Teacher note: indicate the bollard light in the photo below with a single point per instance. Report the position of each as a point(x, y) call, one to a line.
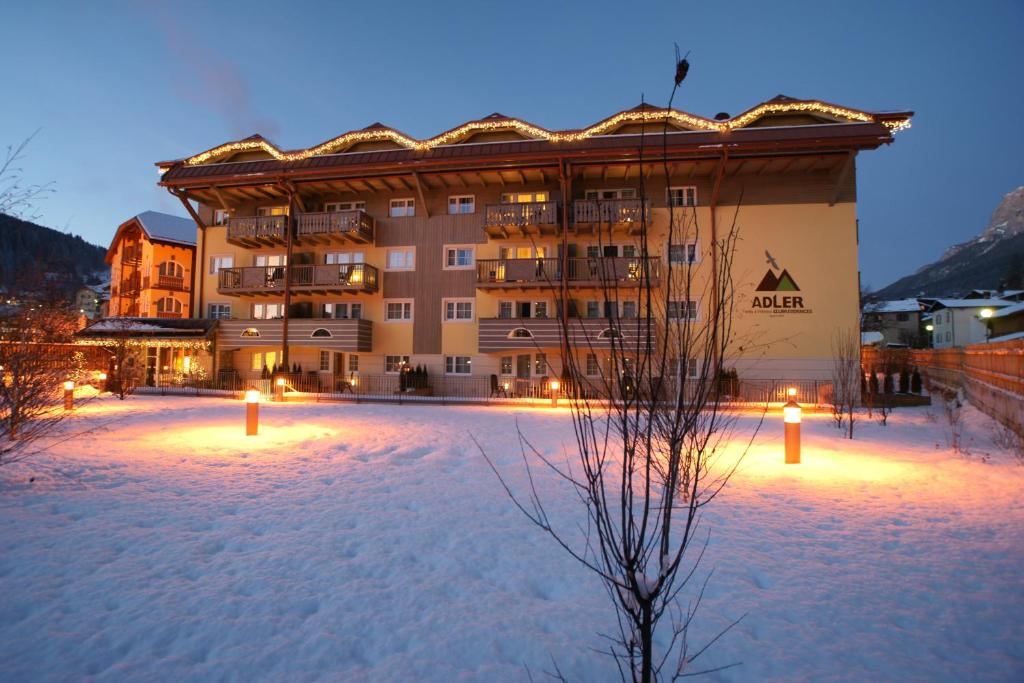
point(554, 393)
point(252, 412)
point(791, 418)
point(279, 389)
point(103, 382)
point(69, 395)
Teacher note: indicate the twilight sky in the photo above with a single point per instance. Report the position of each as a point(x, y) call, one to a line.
point(120, 86)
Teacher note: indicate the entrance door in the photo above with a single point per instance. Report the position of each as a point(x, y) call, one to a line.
point(523, 366)
point(339, 370)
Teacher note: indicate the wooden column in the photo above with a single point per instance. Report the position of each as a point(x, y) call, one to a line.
point(566, 189)
point(289, 231)
point(715, 294)
point(197, 286)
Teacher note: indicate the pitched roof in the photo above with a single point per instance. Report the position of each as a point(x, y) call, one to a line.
point(167, 228)
point(897, 306)
point(1009, 310)
point(149, 328)
point(969, 303)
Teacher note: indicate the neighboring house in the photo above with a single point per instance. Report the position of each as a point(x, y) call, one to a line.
point(91, 300)
point(374, 251)
point(898, 321)
point(959, 322)
point(1007, 323)
point(151, 266)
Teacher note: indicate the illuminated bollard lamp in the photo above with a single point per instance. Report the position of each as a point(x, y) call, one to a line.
point(554, 392)
point(252, 412)
point(69, 395)
point(791, 418)
point(279, 389)
point(103, 382)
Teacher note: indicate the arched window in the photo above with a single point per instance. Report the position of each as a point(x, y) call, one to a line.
point(320, 332)
point(171, 269)
point(520, 333)
point(250, 332)
point(609, 333)
point(168, 305)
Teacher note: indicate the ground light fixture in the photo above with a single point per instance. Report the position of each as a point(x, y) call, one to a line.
point(555, 384)
point(69, 395)
point(103, 382)
point(279, 389)
point(252, 412)
point(791, 420)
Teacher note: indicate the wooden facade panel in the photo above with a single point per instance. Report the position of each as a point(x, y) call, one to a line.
point(346, 335)
point(493, 334)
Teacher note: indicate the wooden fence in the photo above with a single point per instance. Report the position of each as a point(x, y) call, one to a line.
point(990, 376)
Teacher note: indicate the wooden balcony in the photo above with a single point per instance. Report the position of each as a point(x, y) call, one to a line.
point(627, 214)
point(495, 335)
point(523, 219)
point(130, 285)
point(352, 334)
point(170, 314)
point(258, 231)
point(335, 227)
point(583, 272)
point(174, 284)
point(307, 279)
point(131, 255)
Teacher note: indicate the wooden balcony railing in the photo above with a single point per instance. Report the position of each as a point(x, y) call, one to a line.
point(257, 231)
point(328, 226)
point(582, 272)
point(170, 314)
point(357, 277)
point(130, 285)
point(612, 211)
point(500, 220)
point(131, 254)
point(166, 282)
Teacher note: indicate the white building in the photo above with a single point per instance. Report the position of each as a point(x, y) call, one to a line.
point(959, 322)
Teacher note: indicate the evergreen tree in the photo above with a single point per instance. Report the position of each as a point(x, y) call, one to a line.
point(873, 382)
point(887, 383)
point(904, 380)
point(915, 382)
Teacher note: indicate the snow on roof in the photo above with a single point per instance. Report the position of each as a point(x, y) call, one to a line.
point(871, 338)
point(164, 226)
point(969, 303)
point(897, 306)
point(1007, 337)
point(124, 325)
point(1009, 310)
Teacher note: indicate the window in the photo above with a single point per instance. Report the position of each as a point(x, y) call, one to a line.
point(628, 309)
point(682, 196)
point(325, 361)
point(396, 310)
point(353, 362)
point(593, 309)
point(609, 333)
point(218, 311)
point(520, 333)
point(682, 310)
point(504, 309)
point(250, 332)
point(402, 258)
point(321, 332)
point(540, 309)
point(394, 364)
point(461, 203)
point(170, 269)
point(400, 208)
point(691, 367)
point(261, 360)
point(460, 310)
point(332, 207)
point(902, 317)
point(457, 365)
point(593, 369)
point(266, 260)
point(218, 263)
point(168, 305)
point(272, 211)
point(221, 216)
point(522, 252)
point(457, 257)
point(524, 197)
point(540, 364)
point(344, 257)
point(623, 193)
point(267, 311)
point(683, 253)
point(341, 311)
point(506, 365)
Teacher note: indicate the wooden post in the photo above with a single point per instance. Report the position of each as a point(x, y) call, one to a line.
point(715, 294)
point(195, 308)
point(565, 182)
point(252, 418)
point(791, 420)
point(288, 266)
point(69, 395)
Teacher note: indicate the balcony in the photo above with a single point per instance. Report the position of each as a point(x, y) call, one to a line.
point(130, 285)
point(523, 219)
point(612, 271)
point(168, 282)
point(258, 231)
point(352, 334)
point(306, 279)
point(131, 255)
point(335, 227)
point(626, 214)
point(170, 314)
point(496, 335)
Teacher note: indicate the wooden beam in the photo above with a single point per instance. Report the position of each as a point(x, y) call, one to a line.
point(480, 178)
point(844, 171)
point(220, 197)
point(419, 191)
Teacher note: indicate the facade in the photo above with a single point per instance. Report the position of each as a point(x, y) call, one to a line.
point(1007, 323)
point(151, 264)
point(375, 251)
point(91, 300)
point(899, 322)
point(959, 322)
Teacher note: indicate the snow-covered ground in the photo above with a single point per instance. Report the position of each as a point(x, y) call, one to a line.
point(371, 542)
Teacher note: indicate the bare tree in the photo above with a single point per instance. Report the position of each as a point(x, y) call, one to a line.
point(16, 197)
point(126, 350)
point(652, 434)
point(846, 378)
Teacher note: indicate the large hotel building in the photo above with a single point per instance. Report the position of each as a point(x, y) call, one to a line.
point(376, 250)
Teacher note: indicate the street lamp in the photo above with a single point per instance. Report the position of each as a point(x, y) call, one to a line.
point(69, 395)
point(791, 419)
point(554, 392)
point(279, 389)
point(929, 327)
point(986, 313)
point(103, 382)
point(252, 412)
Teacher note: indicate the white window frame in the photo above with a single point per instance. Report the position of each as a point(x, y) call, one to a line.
point(403, 303)
point(611, 193)
point(597, 366)
point(176, 305)
point(691, 368)
point(454, 304)
point(407, 206)
point(688, 319)
point(459, 201)
point(409, 252)
point(281, 258)
point(325, 354)
point(451, 365)
point(349, 308)
point(686, 246)
point(221, 216)
point(508, 361)
point(456, 248)
point(272, 210)
point(353, 357)
point(403, 362)
point(689, 196)
point(534, 197)
point(265, 308)
point(337, 207)
point(209, 313)
point(218, 262)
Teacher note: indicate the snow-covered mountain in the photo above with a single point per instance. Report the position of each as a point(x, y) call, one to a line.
point(993, 259)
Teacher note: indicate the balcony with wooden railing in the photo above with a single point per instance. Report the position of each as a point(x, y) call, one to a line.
point(170, 314)
point(335, 227)
point(168, 282)
point(525, 334)
point(307, 279)
point(258, 231)
point(611, 271)
point(521, 219)
point(628, 214)
point(131, 254)
point(130, 285)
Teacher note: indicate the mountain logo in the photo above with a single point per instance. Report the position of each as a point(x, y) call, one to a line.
point(783, 282)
